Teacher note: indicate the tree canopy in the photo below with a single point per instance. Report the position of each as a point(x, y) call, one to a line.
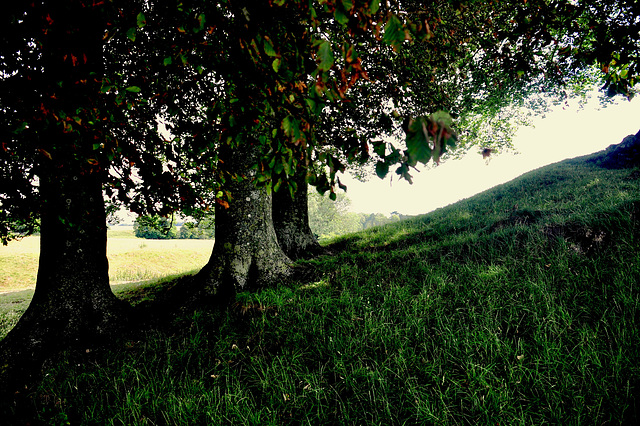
point(328, 78)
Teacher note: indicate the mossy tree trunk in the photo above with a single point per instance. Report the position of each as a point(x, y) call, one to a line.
point(246, 254)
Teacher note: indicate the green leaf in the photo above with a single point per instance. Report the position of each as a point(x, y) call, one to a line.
point(382, 169)
point(374, 6)
point(418, 148)
point(315, 106)
point(201, 22)
point(287, 126)
point(141, 20)
point(403, 171)
point(393, 32)
point(287, 167)
point(342, 185)
point(341, 18)
point(131, 33)
point(276, 64)
point(268, 48)
point(168, 61)
point(347, 4)
point(133, 89)
point(293, 188)
point(417, 141)
point(106, 88)
point(325, 54)
point(379, 147)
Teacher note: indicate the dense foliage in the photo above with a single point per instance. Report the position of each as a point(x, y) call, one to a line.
point(329, 78)
point(156, 227)
point(202, 229)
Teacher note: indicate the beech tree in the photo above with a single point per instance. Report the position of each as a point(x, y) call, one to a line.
point(256, 64)
point(291, 217)
point(66, 142)
point(308, 87)
point(54, 130)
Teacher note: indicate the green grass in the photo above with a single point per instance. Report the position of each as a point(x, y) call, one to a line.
point(517, 306)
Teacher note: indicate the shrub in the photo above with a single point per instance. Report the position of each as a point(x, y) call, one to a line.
point(154, 227)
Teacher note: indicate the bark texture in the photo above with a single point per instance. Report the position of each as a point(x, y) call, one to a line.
point(291, 220)
point(246, 254)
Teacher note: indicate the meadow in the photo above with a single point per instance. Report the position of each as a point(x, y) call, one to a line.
point(520, 305)
point(131, 259)
point(132, 262)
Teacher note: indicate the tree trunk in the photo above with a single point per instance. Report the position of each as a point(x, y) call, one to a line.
point(246, 254)
point(291, 220)
point(72, 302)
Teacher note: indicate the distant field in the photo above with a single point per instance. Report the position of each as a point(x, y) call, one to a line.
point(130, 259)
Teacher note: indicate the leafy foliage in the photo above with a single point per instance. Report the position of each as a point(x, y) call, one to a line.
point(329, 219)
point(154, 228)
point(203, 229)
point(161, 228)
point(327, 81)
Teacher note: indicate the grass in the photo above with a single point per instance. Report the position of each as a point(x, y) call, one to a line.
point(517, 306)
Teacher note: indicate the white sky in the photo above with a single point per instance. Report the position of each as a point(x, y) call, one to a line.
point(564, 133)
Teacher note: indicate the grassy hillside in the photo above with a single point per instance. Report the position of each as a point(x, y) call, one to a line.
point(517, 306)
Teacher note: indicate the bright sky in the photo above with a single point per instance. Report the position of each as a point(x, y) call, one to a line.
point(564, 133)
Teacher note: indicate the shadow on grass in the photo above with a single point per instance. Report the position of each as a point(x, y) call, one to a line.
point(15, 301)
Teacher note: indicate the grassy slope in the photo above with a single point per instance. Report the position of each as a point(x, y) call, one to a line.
point(517, 306)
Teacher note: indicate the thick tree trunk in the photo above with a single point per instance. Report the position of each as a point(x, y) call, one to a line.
point(291, 220)
point(72, 302)
point(246, 254)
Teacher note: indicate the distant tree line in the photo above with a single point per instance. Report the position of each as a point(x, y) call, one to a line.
point(329, 219)
point(156, 227)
